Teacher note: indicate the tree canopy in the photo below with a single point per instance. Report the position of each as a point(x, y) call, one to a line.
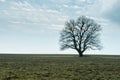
point(81, 34)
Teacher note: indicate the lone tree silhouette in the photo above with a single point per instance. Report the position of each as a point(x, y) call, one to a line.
point(81, 34)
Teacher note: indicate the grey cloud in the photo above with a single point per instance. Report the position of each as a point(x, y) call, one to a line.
point(114, 13)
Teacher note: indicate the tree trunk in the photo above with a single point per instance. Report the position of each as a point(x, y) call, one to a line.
point(80, 53)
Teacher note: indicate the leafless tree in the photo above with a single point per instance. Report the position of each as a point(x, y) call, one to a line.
point(81, 35)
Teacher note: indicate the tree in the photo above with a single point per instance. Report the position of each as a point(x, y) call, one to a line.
point(80, 35)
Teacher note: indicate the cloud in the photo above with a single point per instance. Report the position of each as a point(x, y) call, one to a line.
point(106, 11)
point(2, 0)
point(26, 16)
point(107, 4)
point(56, 27)
point(72, 6)
point(113, 12)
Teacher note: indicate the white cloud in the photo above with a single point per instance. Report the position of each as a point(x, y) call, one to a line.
point(56, 27)
point(72, 6)
point(25, 14)
point(107, 4)
point(75, 7)
point(65, 5)
point(52, 11)
point(2, 0)
point(82, 0)
point(100, 20)
point(42, 16)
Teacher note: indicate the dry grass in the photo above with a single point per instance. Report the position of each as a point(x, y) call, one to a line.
point(62, 67)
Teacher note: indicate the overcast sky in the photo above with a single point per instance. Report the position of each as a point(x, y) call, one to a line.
point(33, 26)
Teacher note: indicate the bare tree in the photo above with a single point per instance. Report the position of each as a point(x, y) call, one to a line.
point(81, 35)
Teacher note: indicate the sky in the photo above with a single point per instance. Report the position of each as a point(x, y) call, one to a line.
point(34, 26)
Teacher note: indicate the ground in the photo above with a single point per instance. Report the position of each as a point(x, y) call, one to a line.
point(59, 67)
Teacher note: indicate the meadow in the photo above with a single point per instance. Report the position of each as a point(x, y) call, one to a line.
point(59, 67)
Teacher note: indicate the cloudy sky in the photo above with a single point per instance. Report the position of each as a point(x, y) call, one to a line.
point(33, 26)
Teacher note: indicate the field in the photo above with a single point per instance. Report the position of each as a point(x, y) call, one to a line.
point(59, 67)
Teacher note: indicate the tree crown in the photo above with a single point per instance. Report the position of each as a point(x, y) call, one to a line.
point(81, 35)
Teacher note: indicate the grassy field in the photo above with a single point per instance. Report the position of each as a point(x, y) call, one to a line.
point(59, 67)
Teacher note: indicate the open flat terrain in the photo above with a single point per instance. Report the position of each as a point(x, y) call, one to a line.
point(59, 67)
